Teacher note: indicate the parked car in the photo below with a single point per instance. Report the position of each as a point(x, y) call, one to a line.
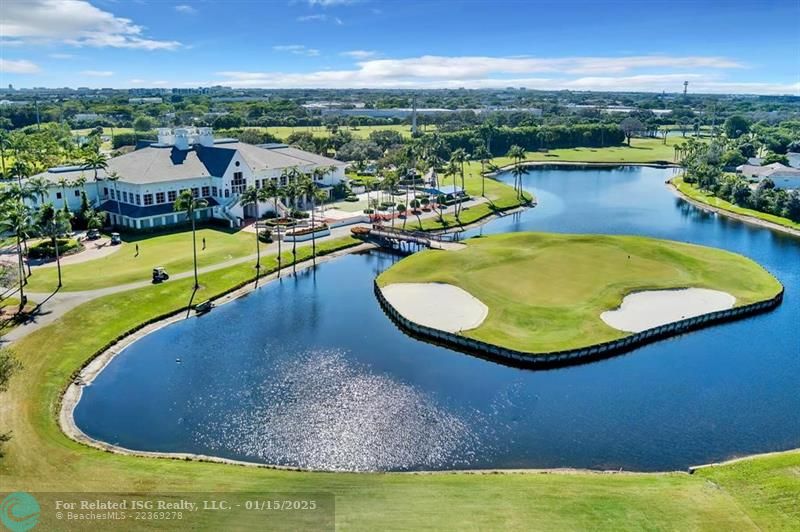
point(115, 239)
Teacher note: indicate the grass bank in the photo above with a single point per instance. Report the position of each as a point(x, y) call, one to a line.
point(701, 196)
point(761, 493)
point(545, 292)
point(641, 151)
point(500, 197)
point(173, 251)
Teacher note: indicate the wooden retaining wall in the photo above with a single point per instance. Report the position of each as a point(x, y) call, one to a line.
point(569, 357)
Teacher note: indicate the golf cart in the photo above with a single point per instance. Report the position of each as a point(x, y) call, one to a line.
point(92, 234)
point(159, 275)
point(115, 239)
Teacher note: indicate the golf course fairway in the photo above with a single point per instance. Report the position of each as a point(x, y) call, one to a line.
point(547, 292)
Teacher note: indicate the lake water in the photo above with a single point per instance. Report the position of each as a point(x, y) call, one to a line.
point(309, 372)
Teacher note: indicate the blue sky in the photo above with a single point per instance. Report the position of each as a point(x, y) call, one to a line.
point(717, 45)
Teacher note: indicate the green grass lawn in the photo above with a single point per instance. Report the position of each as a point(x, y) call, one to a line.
point(701, 196)
point(173, 251)
point(641, 150)
point(761, 493)
point(361, 132)
point(545, 292)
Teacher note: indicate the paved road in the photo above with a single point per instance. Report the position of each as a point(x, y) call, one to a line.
point(54, 305)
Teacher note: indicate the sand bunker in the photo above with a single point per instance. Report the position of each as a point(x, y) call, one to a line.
point(437, 305)
point(644, 310)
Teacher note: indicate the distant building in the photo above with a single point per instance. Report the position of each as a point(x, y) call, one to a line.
point(150, 99)
point(783, 176)
point(86, 117)
point(405, 112)
point(218, 170)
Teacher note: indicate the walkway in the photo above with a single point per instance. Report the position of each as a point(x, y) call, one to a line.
point(54, 305)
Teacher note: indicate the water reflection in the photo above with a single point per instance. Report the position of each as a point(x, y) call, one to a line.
point(308, 371)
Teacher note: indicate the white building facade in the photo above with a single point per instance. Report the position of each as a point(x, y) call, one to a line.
point(138, 189)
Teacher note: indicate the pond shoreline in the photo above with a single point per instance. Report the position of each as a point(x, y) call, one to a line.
point(734, 215)
point(85, 375)
point(577, 164)
point(570, 357)
point(77, 435)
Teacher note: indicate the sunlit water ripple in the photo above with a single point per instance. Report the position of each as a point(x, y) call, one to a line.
point(323, 411)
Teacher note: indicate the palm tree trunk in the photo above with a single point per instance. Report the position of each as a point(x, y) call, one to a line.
point(21, 274)
point(463, 186)
point(294, 253)
point(278, 227)
point(119, 205)
point(97, 187)
point(313, 233)
point(405, 219)
point(27, 262)
point(58, 259)
point(258, 252)
point(194, 250)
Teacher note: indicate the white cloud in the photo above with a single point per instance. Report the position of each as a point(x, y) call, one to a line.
point(74, 22)
point(478, 66)
point(297, 49)
point(359, 54)
point(20, 66)
point(185, 9)
point(630, 73)
point(320, 17)
point(61, 56)
point(97, 73)
point(327, 3)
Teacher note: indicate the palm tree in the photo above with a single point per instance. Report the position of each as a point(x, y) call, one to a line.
point(63, 182)
point(17, 194)
point(39, 187)
point(53, 223)
point(459, 156)
point(251, 197)
point(308, 186)
point(114, 177)
point(4, 143)
point(517, 153)
point(95, 219)
point(389, 183)
point(272, 191)
point(452, 169)
point(294, 175)
point(292, 192)
point(20, 170)
point(95, 161)
point(188, 204)
point(16, 219)
point(369, 183)
point(480, 153)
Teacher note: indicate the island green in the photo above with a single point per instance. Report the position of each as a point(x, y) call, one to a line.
point(546, 292)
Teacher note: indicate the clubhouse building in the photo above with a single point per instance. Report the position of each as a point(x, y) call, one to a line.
point(150, 178)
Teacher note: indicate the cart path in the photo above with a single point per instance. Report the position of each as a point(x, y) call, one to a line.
point(54, 305)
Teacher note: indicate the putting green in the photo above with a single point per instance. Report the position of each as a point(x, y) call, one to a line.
point(546, 292)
